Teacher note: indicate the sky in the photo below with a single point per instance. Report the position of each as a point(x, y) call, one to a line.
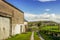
point(38, 10)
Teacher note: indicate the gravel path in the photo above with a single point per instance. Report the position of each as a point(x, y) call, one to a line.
point(32, 36)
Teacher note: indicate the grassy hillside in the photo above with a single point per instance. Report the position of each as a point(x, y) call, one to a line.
point(51, 28)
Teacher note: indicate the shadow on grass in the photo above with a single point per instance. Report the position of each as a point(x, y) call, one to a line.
point(49, 36)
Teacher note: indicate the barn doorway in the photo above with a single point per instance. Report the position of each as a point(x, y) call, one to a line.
point(4, 27)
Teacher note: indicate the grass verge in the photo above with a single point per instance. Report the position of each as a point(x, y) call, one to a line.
point(24, 36)
point(36, 37)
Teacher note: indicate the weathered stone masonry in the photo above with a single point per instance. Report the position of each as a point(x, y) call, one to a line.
point(15, 15)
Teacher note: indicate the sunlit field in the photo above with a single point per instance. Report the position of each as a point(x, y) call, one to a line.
point(50, 28)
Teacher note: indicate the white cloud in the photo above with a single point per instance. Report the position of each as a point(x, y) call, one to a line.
point(46, 0)
point(29, 16)
point(42, 17)
point(47, 9)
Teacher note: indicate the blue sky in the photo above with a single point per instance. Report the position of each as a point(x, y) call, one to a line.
point(35, 8)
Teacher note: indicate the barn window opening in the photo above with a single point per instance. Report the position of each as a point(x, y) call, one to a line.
point(21, 28)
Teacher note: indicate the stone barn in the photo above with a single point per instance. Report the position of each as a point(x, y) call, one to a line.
point(11, 20)
point(25, 26)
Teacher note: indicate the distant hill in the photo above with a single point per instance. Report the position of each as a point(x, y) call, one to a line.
point(42, 23)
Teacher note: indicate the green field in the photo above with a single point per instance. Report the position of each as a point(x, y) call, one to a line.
point(50, 28)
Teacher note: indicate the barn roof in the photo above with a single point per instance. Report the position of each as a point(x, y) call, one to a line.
point(25, 20)
point(13, 6)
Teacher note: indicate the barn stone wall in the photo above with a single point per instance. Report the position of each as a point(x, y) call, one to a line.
point(16, 16)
